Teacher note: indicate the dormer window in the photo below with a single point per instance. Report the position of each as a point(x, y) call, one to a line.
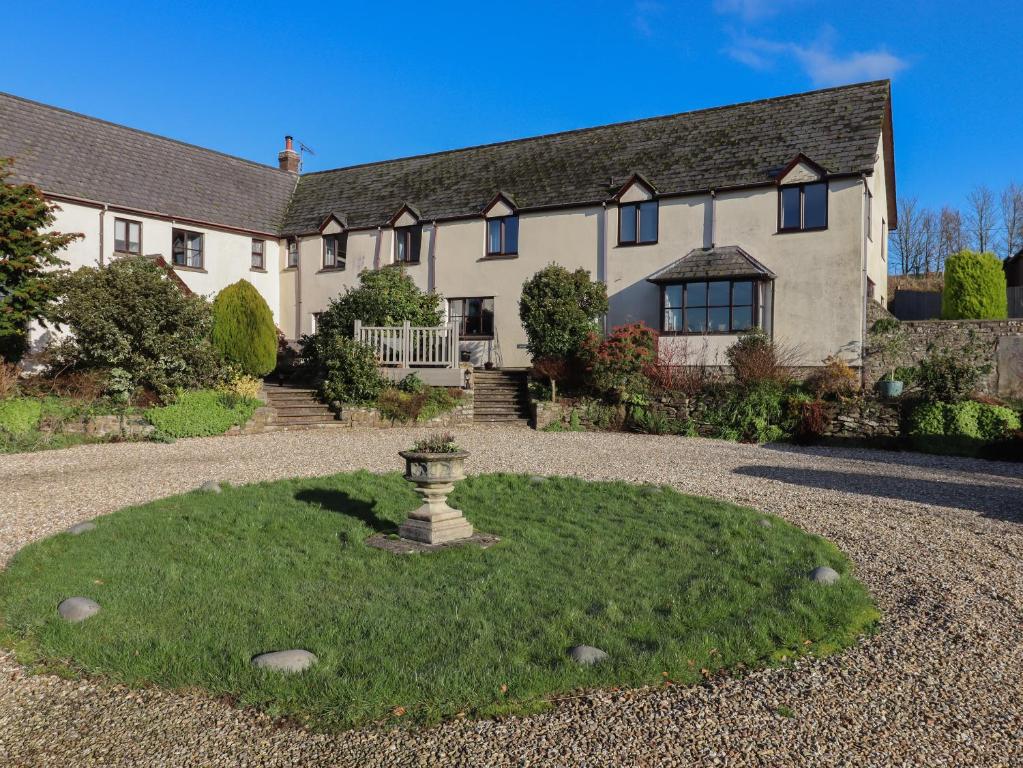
point(503, 236)
point(407, 244)
point(334, 250)
point(803, 207)
point(637, 223)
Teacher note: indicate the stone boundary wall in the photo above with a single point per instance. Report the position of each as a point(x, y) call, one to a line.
point(998, 343)
point(105, 426)
point(362, 416)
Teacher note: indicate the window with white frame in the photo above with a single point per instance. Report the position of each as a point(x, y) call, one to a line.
point(258, 254)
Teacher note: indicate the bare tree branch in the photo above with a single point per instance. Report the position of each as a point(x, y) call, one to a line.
point(981, 218)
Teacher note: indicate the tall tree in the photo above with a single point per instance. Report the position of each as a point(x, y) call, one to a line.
point(1012, 219)
point(907, 243)
point(28, 261)
point(950, 235)
point(981, 218)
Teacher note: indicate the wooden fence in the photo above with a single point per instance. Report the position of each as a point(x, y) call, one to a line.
point(1016, 301)
point(409, 346)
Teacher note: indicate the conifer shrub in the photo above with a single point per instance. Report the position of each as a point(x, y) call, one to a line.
point(243, 329)
point(974, 287)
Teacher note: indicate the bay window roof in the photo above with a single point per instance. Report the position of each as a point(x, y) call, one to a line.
point(725, 261)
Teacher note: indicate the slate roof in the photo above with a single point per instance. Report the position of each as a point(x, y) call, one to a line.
point(712, 263)
point(65, 153)
point(737, 145)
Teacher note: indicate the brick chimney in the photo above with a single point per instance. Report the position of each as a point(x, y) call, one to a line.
point(289, 160)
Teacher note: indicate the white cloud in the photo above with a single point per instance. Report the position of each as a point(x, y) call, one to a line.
point(818, 60)
point(750, 10)
point(644, 18)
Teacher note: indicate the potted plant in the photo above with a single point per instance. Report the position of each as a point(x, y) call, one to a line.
point(434, 465)
point(888, 341)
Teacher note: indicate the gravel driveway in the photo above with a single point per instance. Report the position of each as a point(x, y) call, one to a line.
point(938, 541)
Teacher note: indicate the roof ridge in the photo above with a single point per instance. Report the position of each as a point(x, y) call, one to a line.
point(179, 142)
point(573, 131)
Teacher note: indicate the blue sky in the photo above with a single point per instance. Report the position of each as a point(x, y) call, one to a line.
point(365, 81)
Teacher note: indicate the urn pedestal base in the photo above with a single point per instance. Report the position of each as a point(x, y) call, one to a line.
point(453, 527)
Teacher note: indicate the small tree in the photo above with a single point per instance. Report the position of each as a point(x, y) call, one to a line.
point(28, 256)
point(559, 310)
point(974, 287)
point(131, 317)
point(385, 296)
point(243, 329)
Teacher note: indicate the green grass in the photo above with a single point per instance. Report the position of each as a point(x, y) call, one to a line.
point(191, 587)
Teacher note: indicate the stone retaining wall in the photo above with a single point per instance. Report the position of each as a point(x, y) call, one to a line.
point(853, 419)
point(362, 416)
point(996, 343)
point(104, 426)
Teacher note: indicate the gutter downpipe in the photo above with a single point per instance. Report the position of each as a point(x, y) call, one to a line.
point(713, 217)
point(602, 262)
point(863, 281)
point(102, 216)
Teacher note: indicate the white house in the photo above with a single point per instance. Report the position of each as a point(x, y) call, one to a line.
point(701, 224)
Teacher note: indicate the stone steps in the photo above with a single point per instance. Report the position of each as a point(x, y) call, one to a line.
point(501, 397)
point(298, 407)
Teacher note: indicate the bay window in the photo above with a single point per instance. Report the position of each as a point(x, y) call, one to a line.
point(713, 306)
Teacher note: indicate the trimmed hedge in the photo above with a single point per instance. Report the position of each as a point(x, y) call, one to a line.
point(243, 329)
point(201, 413)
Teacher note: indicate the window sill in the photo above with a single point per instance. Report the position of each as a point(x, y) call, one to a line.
point(188, 269)
point(498, 256)
point(127, 253)
point(805, 229)
point(257, 269)
point(636, 245)
point(292, 268)
point(705, 333)
point(330, 269)
point(409, 263)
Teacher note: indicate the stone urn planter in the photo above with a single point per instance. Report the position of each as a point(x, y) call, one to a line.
point(435, 475)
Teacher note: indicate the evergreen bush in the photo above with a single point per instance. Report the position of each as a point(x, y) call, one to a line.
point(200, 414)
point(243, 329)
point(129, 315)
point(974, 287)
point(351, 374)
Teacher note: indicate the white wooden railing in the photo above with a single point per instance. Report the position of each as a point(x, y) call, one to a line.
point(409, 346)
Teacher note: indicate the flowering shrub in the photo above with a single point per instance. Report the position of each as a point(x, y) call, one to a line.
point(617, 363)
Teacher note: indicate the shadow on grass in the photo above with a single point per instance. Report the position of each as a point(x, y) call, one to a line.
point(343, 504)
point(1001, 502)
